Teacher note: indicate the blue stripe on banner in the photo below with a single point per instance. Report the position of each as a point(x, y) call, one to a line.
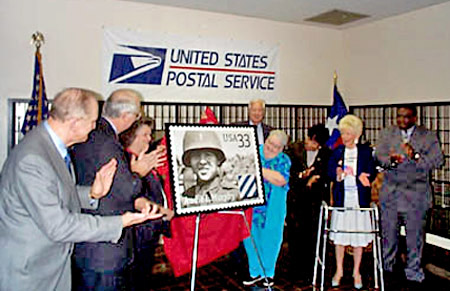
point(247, 186)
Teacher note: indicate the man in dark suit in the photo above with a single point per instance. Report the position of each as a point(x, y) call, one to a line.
point(104, 265)
point(40, 206)
point(256, 113)
point(308, 187)
point(409, 153)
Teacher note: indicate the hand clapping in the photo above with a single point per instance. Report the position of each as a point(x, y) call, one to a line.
point(130, 218)
point(408, 150)
point(144, 163)
point(364, 179)
point(103, 180)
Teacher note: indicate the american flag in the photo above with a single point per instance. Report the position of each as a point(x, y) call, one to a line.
point(38, 106)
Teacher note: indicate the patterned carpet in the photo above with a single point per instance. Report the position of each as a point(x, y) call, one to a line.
point(226, 274)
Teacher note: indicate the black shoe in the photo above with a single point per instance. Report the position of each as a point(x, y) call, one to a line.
point(252, 281)
point(268, 282)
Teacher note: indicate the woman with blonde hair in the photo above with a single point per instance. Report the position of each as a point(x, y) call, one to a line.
point(351, 168)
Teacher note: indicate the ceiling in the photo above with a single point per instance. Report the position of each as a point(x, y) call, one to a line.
point(297, 11)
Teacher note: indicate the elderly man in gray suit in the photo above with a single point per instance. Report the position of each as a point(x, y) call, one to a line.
point(409, 152)
point(40, 206)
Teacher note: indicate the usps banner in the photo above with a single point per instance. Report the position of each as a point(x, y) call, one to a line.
point(179, 68)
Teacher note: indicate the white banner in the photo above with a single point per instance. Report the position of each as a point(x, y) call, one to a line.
point(177, 68)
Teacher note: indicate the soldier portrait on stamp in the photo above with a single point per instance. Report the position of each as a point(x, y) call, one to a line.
point(214, 167)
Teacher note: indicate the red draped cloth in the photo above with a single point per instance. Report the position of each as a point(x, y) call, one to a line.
point(219, 233)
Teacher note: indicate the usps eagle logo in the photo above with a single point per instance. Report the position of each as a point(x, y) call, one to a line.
point(141, 65)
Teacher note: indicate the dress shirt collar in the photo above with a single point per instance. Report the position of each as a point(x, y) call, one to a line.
point(406, 134)
point(311, 157)
point(259, 131)
point(111, 124)
point(57, 141)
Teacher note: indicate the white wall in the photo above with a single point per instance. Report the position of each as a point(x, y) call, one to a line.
point(401, 59)
point(73, 32)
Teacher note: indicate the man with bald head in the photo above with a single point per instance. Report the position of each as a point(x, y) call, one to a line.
point(103, 266)
point(256, 113)
point(40, 206)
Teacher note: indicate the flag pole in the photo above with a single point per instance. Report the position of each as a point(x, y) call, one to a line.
point(335, 78)
point(38, 40)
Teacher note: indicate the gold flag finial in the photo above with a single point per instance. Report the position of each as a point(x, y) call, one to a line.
point(335, 78)
point(37, 39)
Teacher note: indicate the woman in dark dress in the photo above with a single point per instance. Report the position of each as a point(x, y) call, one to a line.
point(136, 141)
point(309, 185)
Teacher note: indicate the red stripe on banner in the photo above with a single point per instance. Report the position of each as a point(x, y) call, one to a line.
point(223, 70)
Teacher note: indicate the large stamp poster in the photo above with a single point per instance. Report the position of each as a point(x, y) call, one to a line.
point(214, 167)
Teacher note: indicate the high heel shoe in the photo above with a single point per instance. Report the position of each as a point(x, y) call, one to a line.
point(357, 282)
point(335, 281)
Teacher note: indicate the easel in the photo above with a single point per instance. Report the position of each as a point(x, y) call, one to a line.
point(195, 248)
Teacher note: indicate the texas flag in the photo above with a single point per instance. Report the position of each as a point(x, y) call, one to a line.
point(338, 110)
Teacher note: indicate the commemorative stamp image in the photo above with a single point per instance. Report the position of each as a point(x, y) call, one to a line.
point(214, 167)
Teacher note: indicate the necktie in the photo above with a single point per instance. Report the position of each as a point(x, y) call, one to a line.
point(260, 133)
point(405, 136)
point(67, 161)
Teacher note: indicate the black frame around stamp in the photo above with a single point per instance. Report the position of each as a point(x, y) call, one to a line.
point(240, 172)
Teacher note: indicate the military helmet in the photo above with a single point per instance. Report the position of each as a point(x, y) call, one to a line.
point(201, 140)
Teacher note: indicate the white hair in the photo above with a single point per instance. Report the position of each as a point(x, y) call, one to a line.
point(279, 135)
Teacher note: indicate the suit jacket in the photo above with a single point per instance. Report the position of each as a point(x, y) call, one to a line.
point(147, 234)
point(409, 183)
point(365, 164)
point(103, 145)
point(320, 189)
point(40, 217)
point(266, 128)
